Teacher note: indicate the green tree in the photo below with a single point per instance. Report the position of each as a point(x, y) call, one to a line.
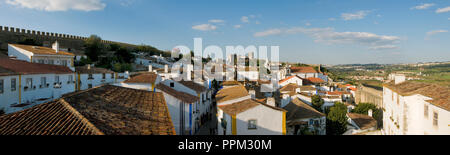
point(94, 47)
point(317, 102)
point(122, 67)
point(337, 119)
point(29, 41)
point(124, 55)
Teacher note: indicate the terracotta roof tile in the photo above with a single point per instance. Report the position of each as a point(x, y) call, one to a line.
point(315, 80)
point(440, 94)
point(42, 50)
point(299, 110)
point(288, 78)
point(242, 106)
point(149, 78)
point(92, 70)
point(303, 70)
point(14, 67)
point(194, 86)
point(290, 87)
point(231, 93)
point(109, 110)
point(178, 94)
point(363, 121)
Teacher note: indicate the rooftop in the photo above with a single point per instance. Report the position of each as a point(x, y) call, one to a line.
point(109, 110)
point(148, 78)
point(440, 94)
point(363, 121)
point(42, 50)
point(194, 86)
point(242, 106)
point(314, 80)
point(231, 93)
point(288, 78)
point(299, 110)
point(303, 70)
point(91, 70)
point(15, 67)
point(187, 98)
point(290, 87)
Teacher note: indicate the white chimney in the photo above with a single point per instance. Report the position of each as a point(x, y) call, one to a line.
point(271, 101)
point(370, 113)
point(399, 79)
point(252, 94)
point(55, 46)
point(150, 68)
point(166, 68)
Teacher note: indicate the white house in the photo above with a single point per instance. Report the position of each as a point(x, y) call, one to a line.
point(24, 84)
point(301, 116)
point(144, 81)
point(304, 72)
point(238, 114)
point(43, 55)
point(247, 73)
point(292, 79)
point(90, 77)
point(204, 105)
point(288, 93)
point(414, 108)
point(182, 109)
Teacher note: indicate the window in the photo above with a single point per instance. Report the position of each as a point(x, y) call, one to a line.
point(435, 119)
point(1, 86)
point(425, 111)
point(13, 84)
point(398, 99)
point(56, 79)
point(103, 76)
point(172, 84)
point(70, 78)
point(64, 62)
point(90, 76)
point(29, 83)
point(252, 124)
point(43, 82)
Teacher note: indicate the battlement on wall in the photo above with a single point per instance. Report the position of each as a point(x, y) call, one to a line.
point(14, 35)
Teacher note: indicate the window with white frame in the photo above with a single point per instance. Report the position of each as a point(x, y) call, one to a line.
point(435, 119)
point(13, 84)
point(252, 124)
point(29, 83)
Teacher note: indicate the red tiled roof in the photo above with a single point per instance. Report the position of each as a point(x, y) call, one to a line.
point(363, 121)
point(288, 78)
point(353, 89)
point(149, 78)
point(231, 93)
point(315, 80)
point(303, 70)
point(15, 67)
point(194, 86)
point(92, 70)
point(298, 110)
point(177, 94)
point(242, 106)
point(109, 110)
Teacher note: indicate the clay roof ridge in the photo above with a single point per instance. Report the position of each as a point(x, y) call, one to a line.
point(81, 117)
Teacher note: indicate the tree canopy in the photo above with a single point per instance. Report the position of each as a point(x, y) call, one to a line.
point(94, 47)
point(317, 102)
point(337, 119)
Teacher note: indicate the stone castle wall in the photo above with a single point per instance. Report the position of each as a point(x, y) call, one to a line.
point(11, 35)
point(369, 95)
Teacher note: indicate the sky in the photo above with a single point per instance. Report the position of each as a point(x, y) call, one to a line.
point(307, 31)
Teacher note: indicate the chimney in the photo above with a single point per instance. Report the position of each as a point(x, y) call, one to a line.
point(89, 66)
point(370, 112)
point(55, 46)
point(271, 101)
point(252, 94)
point(150, 68)
point(166, 68)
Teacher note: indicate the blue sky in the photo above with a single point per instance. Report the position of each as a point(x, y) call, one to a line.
point(307, 31)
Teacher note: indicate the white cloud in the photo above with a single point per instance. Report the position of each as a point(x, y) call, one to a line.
point(355, 16)
point(59, 5)
point(237, 26)
point(216, 21)
point(245, 19)
point(423, 6)
point(268, 33)
point(331, 19)
point(204, 27)
point(434, 32)
point(308, 24)
point(126, 3)
point(329, 36)
point(443, 10)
